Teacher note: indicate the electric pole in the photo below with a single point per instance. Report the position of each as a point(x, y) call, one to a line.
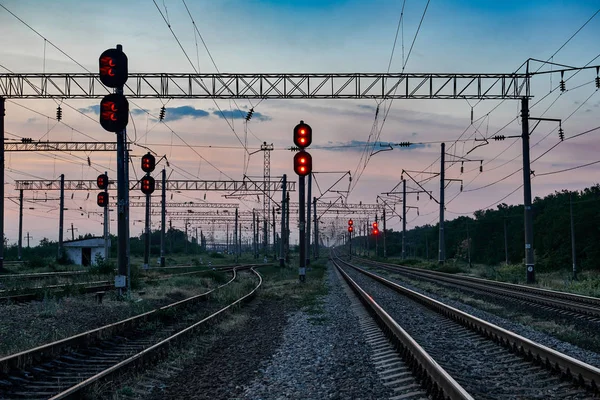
point(573, 252)
point(284, 206)
point(61, 218)
point(163, 216)
point(404, 212)
point(529, 261)
point(20, 223)
point(442, 244)
point(308, 202)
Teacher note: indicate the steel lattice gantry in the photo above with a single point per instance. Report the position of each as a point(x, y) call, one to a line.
point(213, 214)
point(224, 186)
point(182, 205)
point(60, 146)
point(271, 86)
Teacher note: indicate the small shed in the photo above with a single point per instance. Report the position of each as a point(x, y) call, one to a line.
point(83, 251)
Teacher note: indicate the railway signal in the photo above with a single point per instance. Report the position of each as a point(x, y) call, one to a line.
point(114, 112)
point(302, 163)
point(113, 68)
point(102, 181)
point(375, 228)
point(148, 163)
point(102, 199)
point(147, 185)
point(302, 135)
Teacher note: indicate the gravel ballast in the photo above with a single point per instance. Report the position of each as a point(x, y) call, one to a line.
point(323, 356)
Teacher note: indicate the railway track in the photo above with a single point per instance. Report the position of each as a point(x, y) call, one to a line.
point(573, 305)
point(64, 369)
point(32, 293)
point(488, 362)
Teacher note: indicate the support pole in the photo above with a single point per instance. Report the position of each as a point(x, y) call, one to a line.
point(147, 234)
point(122, 206)
point(404, 219)
point(384, 226)
point(349, 245)
point(227, 238)
point(442, 244)
point(236, 234)
point(573, 252)
point(61, 218)
point(505, 242)
point(469, 245)
point(316, 242)
point(529, 261)
point(274, 235)
point(287, 229)
point(308, 202)
point(163, 216)
point(2, 112)
point(20, 224)
point(72, 232)
point(283, 213)
point(106, 228)
point(302, 233)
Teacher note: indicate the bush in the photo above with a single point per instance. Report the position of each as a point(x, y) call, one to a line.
point(102, 266)
point(216, 255)
point(37, 262)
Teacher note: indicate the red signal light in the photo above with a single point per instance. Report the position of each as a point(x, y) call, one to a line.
point(148, 163)
point(102, 199)
point(102, 181)
point(375, 225)
point(114, 112)
point(302, 163)
point(350, 229)
point(148, 184)
point(113, 68)
point(302, 135)
point(375, 231)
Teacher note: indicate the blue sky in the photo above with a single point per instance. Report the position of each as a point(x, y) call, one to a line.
point(308, 36)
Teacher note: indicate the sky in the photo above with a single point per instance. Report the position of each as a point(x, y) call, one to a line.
point(307, 36)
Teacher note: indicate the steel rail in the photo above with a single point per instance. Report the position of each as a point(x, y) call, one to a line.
point(26, 357)
point(152, 351)
point(437, 382)
point(568, 367)
point(585, 305)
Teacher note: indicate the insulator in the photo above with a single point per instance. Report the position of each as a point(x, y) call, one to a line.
point(462, 167)
point(249, 115)
point(161, 116)
point(417, 212)
point(461, 186)
point(499, 137)
point(598, 82)
point(481, 166)
point(561, 134)
point(417, 196)
point(563, 86)
point(58, 113)
point(430, 196)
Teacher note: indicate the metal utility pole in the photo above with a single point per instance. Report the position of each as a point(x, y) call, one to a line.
point(384, 245)
point(376, 239)
point(254, 233)
point(302, 233)
point(349, 245)
point(163, 216)
point(316, 242)
point(20, 223)
point(236, 233)
point(72, 231)
point(287, 227)
point(529, 261)
point(469, 245)
point(186, 234)
point(147, 231)
point(106, 227)
point(266, 149)
point(274, 234)
point(28, 237)
point(227, 236)
point(61, 218)
point(122, 207)
point(442, 244)
point(572, 237)
point(404, 214)
point(308, 196)
point(2, 112)
point(505, 242)
point(284, 206)
point(240, 239)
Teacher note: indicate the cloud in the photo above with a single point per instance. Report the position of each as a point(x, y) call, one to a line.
point(32, 120)
point(239, 114)
point(359, 145)
point(176, 113)
point(367, 107)
point(95, 109)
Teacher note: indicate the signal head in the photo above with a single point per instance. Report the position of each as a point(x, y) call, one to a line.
point(113, 68)
point(148, 184)
point(102, 199)
point(114, 112)
point(102, 181)
point(375, 231)
point(148, 163)
point(302, 163)
point(302, 135)
point(375, 225)
point(350, 229)
point(350, 222)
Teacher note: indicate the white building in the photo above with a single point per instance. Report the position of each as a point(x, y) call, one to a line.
point(83, 251)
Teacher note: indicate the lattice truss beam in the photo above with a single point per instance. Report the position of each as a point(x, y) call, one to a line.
point(271, 86)
point(207, 214)
point(182, 205)
point(223, 186)
point(60, 146)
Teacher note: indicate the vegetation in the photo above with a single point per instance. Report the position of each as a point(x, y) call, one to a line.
point(485, 232)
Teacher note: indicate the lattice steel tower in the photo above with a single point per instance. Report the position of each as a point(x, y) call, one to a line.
point(266, 149)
